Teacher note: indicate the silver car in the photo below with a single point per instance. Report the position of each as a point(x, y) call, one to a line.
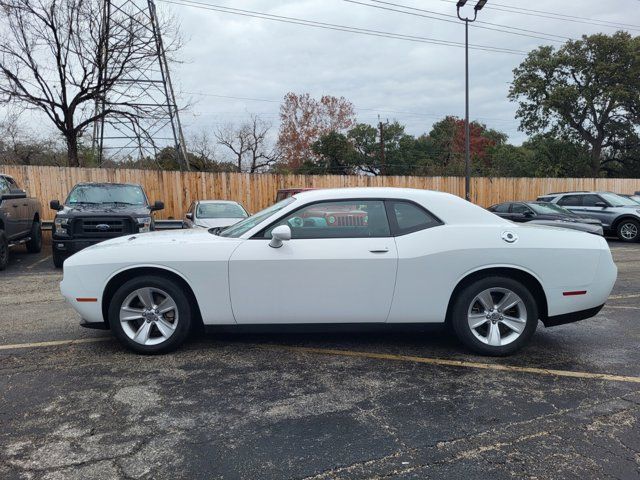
point(619, 215)
point(213, 214)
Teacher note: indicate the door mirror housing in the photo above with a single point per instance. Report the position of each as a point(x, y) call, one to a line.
point(55, 205)
point(189, 216)
point(13, 194)
point(279, 235)
point(157, 205)
point(601, 204)
point(528, 214)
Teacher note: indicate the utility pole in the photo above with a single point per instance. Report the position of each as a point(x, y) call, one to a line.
point(467, 147)
point(383, 161)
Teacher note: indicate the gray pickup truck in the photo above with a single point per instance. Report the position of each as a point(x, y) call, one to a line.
point(19, 220)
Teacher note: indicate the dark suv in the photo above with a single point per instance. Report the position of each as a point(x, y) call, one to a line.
point(619, 215)
point(94, 212)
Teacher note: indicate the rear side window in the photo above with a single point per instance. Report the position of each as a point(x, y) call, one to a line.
point(501, 208)
point(407, 217)
point(545, 199)
point(571, 200)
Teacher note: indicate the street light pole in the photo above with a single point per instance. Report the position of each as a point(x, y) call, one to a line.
point(467, 141)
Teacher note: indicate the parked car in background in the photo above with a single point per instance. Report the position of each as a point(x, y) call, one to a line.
point(421, 257)
point(213, 214)
point(289, 192)
point(635, 197)
point(94, 212)
point(619, 215)
point(19, 220)
point(545, 213)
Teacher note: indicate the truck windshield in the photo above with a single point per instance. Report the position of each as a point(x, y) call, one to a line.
point(116, 194)
point(248, 223)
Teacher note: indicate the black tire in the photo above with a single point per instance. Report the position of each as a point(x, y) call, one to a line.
point(58, 259)
point(35, 244)
point(182, 322)
point(464, 304)
point(626, 229)
point(4, 250)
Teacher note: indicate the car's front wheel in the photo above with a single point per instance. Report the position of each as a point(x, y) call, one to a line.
point(494, 315)
point(628, 230)
point(150, 314)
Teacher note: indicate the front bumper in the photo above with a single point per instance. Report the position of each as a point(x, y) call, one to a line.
point(69, 246)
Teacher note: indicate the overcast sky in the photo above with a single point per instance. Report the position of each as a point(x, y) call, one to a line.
point(415, 83)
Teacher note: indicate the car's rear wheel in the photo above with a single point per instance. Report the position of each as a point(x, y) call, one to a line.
point(494, 316)
point(4, 250)
point(150, 315)
point(628, 230)
point(34, 245)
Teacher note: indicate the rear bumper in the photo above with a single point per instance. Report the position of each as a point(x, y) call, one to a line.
point(572, 317)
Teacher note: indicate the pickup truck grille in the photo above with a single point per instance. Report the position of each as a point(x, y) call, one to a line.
point(350, 221)
point(102, 227)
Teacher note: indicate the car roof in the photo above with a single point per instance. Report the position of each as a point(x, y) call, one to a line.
point(103, 184)
point(219, 201)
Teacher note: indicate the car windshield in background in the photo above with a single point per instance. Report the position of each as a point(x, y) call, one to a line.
point(618, 200)
point(549, 209)
point(220, 210)
point(98, 194)
point(247, 224)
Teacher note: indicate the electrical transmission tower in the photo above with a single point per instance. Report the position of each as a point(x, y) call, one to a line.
point(139, 113)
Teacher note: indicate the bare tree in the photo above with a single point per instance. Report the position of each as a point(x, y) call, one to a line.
point(58, 57)
point(249, 144)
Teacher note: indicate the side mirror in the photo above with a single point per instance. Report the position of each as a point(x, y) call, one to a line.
point(157, 206)
point(55, 205)
point(189, 216)
point(528, 214)
point(601, 204)
point(280, 234)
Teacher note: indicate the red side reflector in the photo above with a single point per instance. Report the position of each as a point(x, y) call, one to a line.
point(577, 292)
point(86, 299)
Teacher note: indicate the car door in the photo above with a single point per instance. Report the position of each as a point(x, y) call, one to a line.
point(503, 210)
point(572, 202)
point(521, 213)
point(339, 267)
point(11, 209)
point(595, 206)
point(24, 217)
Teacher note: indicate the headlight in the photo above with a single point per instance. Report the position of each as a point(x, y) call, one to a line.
point(60, 227)
point(144, 224)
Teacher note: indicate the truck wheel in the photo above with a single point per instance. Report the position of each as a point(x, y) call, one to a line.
point(58, 259)
point(35, 244)
point(628, 230)
point(4, 250)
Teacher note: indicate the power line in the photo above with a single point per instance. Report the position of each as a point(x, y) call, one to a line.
point(336, 27)
point(518, 32)
point(556, 16)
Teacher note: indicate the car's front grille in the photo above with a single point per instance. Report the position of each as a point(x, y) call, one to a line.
point(102, 227)
point(350, 221)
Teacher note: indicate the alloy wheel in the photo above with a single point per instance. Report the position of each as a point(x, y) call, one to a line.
point(497, 316)
point(149, 316)
point(629, 231)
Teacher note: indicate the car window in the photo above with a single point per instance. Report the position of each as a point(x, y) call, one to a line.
point(545, 199)
point(501, 208)
point(220, 210)
point(243, 226)
point(4, 186)
point(520, 208)
point(410, 217)
point(571, 200)
point(591, 200)
point(343, 219)
point(12, 183)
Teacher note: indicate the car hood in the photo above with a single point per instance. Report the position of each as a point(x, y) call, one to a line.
point(216, 222)
point(106, 210)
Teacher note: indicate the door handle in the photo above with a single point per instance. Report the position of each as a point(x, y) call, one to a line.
point(15, 205)
point(379, 250)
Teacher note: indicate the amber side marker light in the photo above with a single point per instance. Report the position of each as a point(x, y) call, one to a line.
point(86, 299)
point(577, 292)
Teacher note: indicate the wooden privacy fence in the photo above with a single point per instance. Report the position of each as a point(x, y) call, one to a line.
point(256, 191)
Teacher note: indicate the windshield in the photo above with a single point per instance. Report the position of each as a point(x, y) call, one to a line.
point(220, 210)
point(97, 194)
point(549, 209)
point(247, 224)
point(618, 200)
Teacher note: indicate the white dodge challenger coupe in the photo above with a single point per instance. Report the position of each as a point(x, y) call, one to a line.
point(353, 255)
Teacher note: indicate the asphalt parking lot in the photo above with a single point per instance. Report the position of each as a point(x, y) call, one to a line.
point(402, 403)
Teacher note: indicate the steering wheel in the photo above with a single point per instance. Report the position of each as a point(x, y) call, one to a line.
point(296, 222)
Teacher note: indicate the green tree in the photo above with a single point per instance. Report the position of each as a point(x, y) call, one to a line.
point(335, 155)
point(587, 90)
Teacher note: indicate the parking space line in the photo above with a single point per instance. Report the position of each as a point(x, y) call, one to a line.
point(39, 262)
point(458, 363)
point(624, 295)
point(622, 306)
point(53, 343)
